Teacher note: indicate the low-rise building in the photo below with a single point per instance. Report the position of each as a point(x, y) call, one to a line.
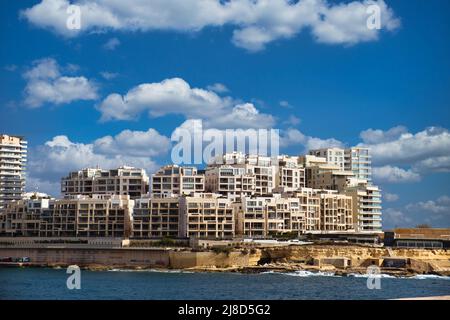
point(173, 179)
point(121, 181)
point(428, 238)
point(206, 216)
point(156, 217)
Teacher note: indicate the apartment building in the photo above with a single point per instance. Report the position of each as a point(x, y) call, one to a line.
point(261, 167)
point(328, 176)
point(23, 217)
point(290, 174)
point(206, 216)
point(156, 217)
point(358, 160)
point(229, 181)
point(366, 206)
point(308, 160)
point(295, 212)
point(13, 158)
point(173, 179)
point(334, 156)
point(336, 212)
point(121, 181)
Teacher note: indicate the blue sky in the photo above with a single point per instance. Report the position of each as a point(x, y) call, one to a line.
point(331, 89)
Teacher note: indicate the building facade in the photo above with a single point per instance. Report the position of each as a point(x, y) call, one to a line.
point(13, 158)
point(121, 181)
point(173, 179)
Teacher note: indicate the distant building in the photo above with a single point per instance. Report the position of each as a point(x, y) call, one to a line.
point(428, 238)
point(121, 181)
point(13, 158)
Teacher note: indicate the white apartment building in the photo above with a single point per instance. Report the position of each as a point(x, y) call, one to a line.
point(261, 167)
point(230, 181)
point(121, 181)
point(366, 206)
point(13, 158)
point(358, 160)
point(173, 179)
point(290, 174)
point(334, 156)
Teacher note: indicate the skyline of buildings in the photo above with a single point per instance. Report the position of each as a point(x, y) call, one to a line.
point(236, 195)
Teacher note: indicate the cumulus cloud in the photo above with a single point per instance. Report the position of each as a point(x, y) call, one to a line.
point(108, 75)
point(58, 156)
point(218, 87)
point(406, 156)
point(371, 136)
point(176, 96)
point(255, 23)
point(296, 137)
point(394, 175)
point(432, 212)
point(111, 44)
point(390, 197)
point(133, 143)
point(45, 84)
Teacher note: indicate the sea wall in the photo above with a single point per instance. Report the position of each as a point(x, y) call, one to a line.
point(341, 256)
point(91, 257)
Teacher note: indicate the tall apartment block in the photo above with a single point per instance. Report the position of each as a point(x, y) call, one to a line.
point(173, 179)
point(13, 158)
point(366, 206)
point(358, 161)
point(121, 181)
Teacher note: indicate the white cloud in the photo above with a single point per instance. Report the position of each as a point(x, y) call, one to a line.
point(439, 206)
point(433, 212)
point(175, 96)
point(394, 175)
point(407, 156)
point(133, 143)
point(111, 44)
point(45, 84)
point(255, 23)
point(109, 75)
point(296, 137)
point(218, 87)
point(371, 136)
point(285, 104)
point(396, 218)
point(293, 120)
point(390, 197)
point(58, 156)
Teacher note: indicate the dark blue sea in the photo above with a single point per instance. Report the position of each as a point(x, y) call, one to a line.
point(41, 283)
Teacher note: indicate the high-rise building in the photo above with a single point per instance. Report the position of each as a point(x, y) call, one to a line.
point(358, 160)
point(366, 206)
point(121, 181)
point(13, 158)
